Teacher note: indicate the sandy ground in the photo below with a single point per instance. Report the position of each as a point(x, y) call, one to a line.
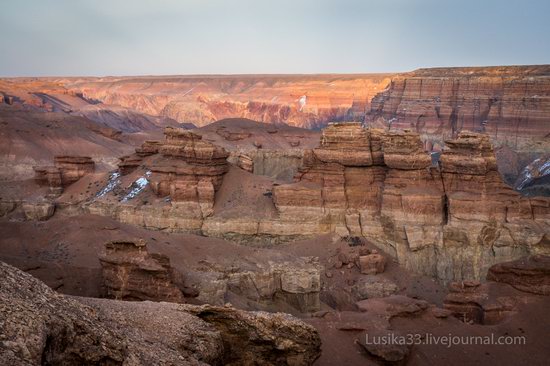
point(63, 253)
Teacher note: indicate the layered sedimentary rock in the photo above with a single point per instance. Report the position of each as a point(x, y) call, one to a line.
point(508, 102)
point(473, 302)
point(130, 272)
point(511, 104)
point(450, 220)
point(529, 274)
point(65, 171)
point(184, 170)
point(40, 326)
point(129, 163)
point(275, 283)
point(298, 100)
point(38, 210)
point(190, 169)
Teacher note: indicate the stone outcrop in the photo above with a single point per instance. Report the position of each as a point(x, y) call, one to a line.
point(381, 311)
point(38, 210)
point(451, 219)
point(129, 163)
point(183, 172)
point(130, 272)
point(371, 287)
point(65, 171)
point(40, 326)
point(269, 285)
point(528, 274)
point(189, 169)
point(511, 104)
point(252, 337)
point(473, 302)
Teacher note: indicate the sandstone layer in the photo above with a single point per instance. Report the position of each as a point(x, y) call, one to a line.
point(529, 274)
point(131, 273)
point(511, 104)
point(65, 171)
point(298, 100)
point(450, 219)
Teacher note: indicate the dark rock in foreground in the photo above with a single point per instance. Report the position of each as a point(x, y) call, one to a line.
point(40, 326)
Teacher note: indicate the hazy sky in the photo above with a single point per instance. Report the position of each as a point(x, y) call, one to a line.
point(134, 37)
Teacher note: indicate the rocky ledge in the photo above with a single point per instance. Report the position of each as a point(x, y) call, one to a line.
point(40, 326)
point(65, 171)
point(131, 272)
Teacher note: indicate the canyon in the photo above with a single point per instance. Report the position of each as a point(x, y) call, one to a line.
point(274, 219)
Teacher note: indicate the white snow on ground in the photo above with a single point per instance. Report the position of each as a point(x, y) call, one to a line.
point(111, 184)
point(302, 101)
point(137, 187)
point(526, 177)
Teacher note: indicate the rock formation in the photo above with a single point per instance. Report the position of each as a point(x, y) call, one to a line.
point(129, 163)
point(39, 326)
point(130, 272)
point(38, 210)
point(65, 171)
point(529, 274)
point(190, 170)
point(483, 303)
point(510, 104)
point(304, 101)
point(451, 220)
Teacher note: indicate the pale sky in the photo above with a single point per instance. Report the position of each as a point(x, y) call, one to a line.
point(145, 37)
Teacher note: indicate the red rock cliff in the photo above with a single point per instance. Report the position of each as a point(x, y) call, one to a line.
point(510, 103)
point(450, 220)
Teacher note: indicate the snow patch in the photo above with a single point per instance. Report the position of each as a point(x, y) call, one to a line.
point(113, 182)
point(527, 177)
point(302, 101)
point(137, 187)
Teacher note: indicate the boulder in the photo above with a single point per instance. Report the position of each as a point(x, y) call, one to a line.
point(372, 263)
point(473, 302)
point(370, 286)
point(529, 274)
point(393, 306)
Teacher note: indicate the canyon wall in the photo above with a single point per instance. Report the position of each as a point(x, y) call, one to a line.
point(139, 103)
point(450, 219)
point(511, 103)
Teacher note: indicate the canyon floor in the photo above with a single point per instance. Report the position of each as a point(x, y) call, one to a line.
point(149, 221)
